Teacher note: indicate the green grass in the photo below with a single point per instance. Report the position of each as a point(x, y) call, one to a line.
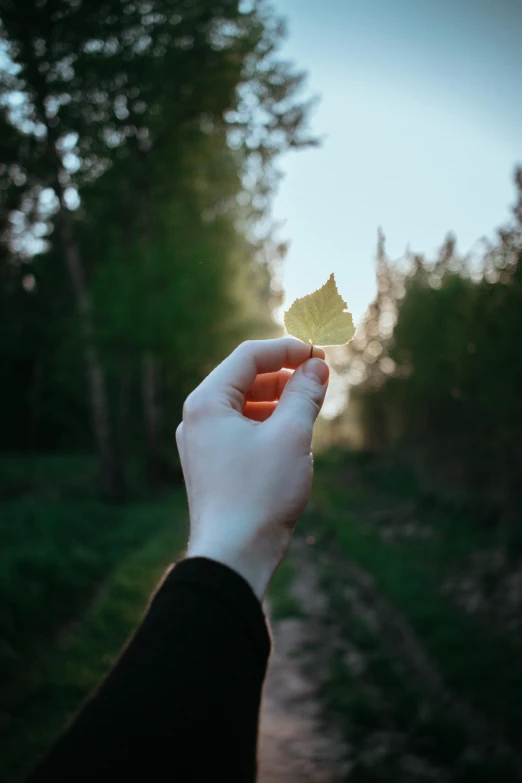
point(65, 556)
point(354, 497)
point(76, 575)
point(50, 475)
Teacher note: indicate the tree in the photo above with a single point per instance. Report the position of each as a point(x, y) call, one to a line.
point(452, 394)
point(149, 122)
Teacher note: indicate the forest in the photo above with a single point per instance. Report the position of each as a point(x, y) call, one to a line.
point(140, 143)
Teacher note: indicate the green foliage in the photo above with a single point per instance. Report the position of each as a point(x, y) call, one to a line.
point(164, 124)
point(452, 384)
point(321, 318)
point(44, 405)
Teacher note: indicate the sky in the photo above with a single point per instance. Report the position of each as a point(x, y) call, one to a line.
point(420, 120)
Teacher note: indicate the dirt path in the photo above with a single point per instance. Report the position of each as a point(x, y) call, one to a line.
point(295, 746)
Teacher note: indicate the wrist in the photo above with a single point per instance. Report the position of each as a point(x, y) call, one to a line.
point(256, 571)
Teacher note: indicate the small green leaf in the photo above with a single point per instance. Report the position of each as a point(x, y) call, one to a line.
point(321, 318)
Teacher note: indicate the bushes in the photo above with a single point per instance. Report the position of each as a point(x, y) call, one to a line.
point(455, 392)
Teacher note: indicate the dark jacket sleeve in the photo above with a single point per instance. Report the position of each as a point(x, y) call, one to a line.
point(182, 703)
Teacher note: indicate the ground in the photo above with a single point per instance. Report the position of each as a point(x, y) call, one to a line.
point(391, 659)
point(296, 743)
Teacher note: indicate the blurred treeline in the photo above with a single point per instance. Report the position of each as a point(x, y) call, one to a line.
point(436, 367)
point(138, 149)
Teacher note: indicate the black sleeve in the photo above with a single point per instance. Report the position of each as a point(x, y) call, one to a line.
point(182, 703)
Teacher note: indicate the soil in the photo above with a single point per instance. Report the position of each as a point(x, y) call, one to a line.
point(295, 743)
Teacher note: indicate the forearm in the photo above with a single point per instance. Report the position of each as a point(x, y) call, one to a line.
point(184, 697)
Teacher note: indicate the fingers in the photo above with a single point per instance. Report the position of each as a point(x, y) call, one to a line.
point(303, 398)
point(236, 374)
point(259, 411)
point(268, 386)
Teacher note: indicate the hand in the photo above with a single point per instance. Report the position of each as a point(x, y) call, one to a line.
point(245, 448)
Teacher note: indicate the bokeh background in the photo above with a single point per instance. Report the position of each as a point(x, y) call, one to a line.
point(173, 173)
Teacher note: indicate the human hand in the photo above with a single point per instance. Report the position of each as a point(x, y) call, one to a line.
point(245, 449)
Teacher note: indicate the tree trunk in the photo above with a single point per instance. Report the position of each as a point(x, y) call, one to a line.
point(95, 376)
point(122, 423)
point(109, 481)
point(152, 416)
point(150, 376)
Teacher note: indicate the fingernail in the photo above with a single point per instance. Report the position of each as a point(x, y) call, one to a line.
point(317, 370)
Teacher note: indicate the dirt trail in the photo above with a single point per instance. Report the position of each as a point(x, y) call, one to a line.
point(295, 746)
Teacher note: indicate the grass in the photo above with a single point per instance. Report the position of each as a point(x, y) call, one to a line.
point(282, 602)
point(75, 576)
point(355, 498)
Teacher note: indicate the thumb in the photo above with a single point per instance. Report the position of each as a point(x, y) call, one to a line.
point(303, 395)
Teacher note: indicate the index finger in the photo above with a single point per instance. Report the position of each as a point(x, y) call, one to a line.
point(239, 370)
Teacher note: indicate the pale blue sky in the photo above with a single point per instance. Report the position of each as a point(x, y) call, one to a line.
point(421, 112)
